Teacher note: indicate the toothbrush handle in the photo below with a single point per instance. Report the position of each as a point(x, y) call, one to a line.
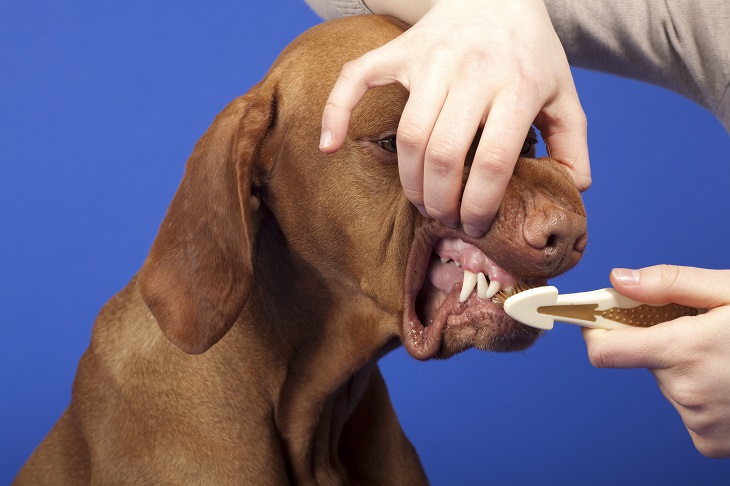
point(608, 309)
point(646, 315)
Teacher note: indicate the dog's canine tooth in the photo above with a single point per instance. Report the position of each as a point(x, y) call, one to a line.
point(482, 285)
point(470, 281)
point(493, 289)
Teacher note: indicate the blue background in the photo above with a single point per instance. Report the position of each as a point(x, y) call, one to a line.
point(100, 105)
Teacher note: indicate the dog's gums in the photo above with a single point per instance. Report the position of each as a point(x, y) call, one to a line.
point(456, 257)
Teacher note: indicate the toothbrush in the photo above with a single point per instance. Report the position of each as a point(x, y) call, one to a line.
point(540, 307)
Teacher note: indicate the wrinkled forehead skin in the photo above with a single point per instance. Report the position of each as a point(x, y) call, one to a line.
point(345, 192)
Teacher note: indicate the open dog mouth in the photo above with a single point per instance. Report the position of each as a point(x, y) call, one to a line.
point(454, 300)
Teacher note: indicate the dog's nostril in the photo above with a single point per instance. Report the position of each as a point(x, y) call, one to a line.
point(552, 241)
point(544, 231)
point(555, 231)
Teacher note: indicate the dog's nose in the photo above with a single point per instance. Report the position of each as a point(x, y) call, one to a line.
point(557, 236)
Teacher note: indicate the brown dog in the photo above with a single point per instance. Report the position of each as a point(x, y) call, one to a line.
point(245, 350)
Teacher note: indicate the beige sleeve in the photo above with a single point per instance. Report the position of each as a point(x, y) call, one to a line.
point(332, 9)
point(678, 44)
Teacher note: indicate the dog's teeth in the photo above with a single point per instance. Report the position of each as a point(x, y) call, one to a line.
point(458, 264)
point(445, 260)
point(493, 289)
point(482, 286)
point(470, 281)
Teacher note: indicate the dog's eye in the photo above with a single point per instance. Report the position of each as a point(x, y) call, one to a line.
point(388, 144)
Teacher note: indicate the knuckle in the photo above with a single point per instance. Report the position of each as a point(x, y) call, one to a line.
point(686, 396)
point(580, 117)
point(443, 157)
point(711, 448)
point(352, 70)
point(411, 135)
point(570, 116)
point(706, 438)
point(332, 109)
point(597, 356)
point(495, 162)
point(668, 275)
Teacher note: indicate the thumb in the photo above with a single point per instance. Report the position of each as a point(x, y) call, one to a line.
point(662, 284)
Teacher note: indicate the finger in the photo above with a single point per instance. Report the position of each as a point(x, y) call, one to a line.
point(661, 284)
point(414, 131)
point(564, 128)
point(494, 161)
point(375, 68)
point(447, 149)
point(632, 347)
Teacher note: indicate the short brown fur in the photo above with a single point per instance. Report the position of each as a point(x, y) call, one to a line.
point(245, 351)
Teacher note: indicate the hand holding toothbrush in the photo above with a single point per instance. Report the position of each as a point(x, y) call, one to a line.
point(689, 356)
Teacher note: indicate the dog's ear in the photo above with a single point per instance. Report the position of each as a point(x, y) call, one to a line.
point(199, 271)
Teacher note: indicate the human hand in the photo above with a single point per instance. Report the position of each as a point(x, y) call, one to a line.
point(469, 63)
point(689, 356)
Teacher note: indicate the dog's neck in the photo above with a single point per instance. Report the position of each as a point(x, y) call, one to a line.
point(326, 342)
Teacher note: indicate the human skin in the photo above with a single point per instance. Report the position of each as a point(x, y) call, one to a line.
point(688, 356)
point(496, 64)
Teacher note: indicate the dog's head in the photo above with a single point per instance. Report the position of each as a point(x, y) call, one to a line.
point(258, 170)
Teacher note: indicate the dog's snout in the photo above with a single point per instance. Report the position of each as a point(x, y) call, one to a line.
point(558, 234)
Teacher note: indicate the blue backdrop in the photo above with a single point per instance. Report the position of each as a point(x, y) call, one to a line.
point(100, 105)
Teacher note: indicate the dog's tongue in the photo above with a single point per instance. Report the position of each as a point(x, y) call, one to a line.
point(449, 307)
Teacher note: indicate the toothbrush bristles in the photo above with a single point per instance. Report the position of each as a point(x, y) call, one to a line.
point(503, 295)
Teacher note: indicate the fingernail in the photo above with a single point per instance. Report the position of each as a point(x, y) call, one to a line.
point(473, 231)
point(325, 140)
point(626, 276)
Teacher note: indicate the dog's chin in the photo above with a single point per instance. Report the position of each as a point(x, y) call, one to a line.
point(438, 321)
